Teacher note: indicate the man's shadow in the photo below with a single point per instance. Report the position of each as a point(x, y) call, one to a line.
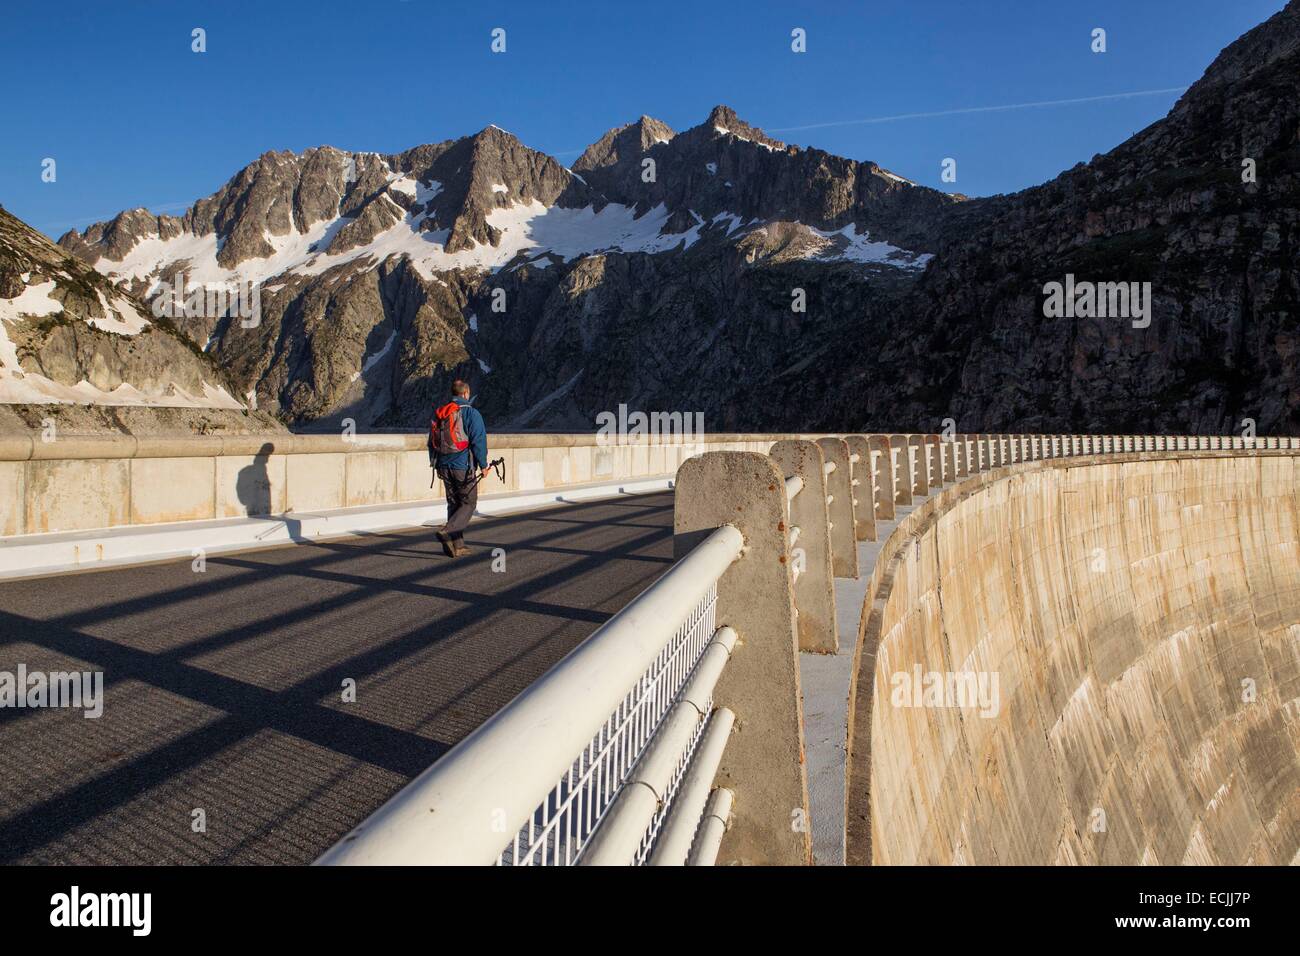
point(253, 488)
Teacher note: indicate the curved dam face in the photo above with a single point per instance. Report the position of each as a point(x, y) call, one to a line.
point(1091, 663)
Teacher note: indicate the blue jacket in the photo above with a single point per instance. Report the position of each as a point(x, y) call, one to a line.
point(477, 453)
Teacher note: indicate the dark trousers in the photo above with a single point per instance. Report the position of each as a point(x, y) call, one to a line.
point(462, 496)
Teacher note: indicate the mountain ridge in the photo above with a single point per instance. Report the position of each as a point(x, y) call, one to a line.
point(770, 286)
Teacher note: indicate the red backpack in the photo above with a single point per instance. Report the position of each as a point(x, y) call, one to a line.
point(447, 430)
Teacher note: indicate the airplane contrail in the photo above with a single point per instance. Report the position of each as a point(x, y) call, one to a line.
point(977, 109)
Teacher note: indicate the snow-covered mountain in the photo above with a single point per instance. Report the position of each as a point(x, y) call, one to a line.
point(382, 276)
point(770, 287)
point(71, 340)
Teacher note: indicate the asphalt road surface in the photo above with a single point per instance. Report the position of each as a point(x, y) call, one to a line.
point(225, 736)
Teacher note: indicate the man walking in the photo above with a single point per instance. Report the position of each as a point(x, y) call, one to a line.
point(458, 452)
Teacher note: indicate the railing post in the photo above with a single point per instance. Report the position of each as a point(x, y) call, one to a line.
point(812, 562)
point(882, 462)
point(948, 455)
point(764, 761)
point(839, 507)
point(864, 487)
point(933, 462)
point(903, 476)
point(920, 469)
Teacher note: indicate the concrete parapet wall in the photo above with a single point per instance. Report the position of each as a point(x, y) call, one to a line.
point(1140, 614)
point(99, 482)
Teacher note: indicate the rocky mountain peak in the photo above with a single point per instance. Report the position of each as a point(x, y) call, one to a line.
point(623, 144)
point(723, 119)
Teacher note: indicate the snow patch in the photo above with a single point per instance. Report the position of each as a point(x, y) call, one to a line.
point(372, 360)
point(898, 179)
point(849, 245)
point(406, 185)
point(122, 317)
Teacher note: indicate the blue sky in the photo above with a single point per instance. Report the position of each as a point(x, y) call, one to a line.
point(113, 92)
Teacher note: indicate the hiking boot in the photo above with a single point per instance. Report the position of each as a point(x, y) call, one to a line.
point(448, 547)
point(461, 548)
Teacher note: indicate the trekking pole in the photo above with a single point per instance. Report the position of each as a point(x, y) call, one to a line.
point(498, 466)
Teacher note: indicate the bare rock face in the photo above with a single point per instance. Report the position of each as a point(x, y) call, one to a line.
point(766, 285)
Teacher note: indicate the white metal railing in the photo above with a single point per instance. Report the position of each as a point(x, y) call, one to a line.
point(637, 814)
point(535, 782)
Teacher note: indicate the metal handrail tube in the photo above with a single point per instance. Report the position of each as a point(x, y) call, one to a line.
point(793, 485)
point(506, 767)
point(620, 833)
point(828, 467)
point(674, 843)
point(704, 851)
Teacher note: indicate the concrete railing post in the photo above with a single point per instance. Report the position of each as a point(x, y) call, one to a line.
point(920, 470)
point(764, 761)
point(902, 459)
point(948, 455)
point(810, 549)
point(865, 480)
point(839, 507)
point(882, 463)
point(934, 475)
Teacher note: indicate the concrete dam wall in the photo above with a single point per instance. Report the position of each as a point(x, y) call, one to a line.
point(1085, 662)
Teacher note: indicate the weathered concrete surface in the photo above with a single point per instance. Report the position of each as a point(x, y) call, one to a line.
point(764, 763)
point(814, 579)
point(839, 507)
point(863, 485)
point(1142, 618)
